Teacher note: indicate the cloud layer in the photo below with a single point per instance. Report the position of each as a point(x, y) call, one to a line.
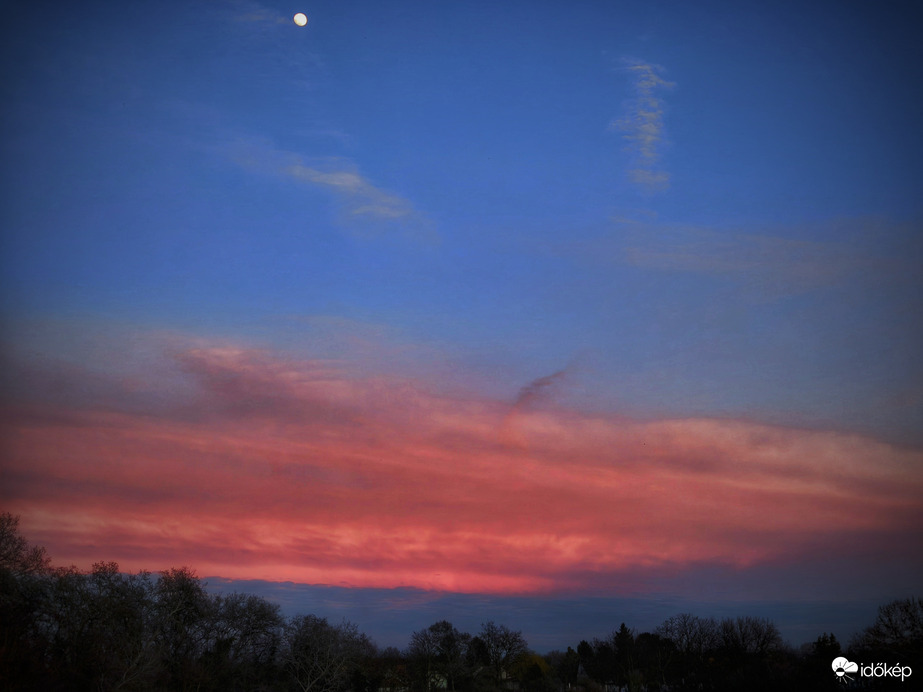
point(251, 465)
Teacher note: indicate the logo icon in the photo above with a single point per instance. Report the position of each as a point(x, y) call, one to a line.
point(842, 666)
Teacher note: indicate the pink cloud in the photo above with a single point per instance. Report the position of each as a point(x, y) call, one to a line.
point(266, 467)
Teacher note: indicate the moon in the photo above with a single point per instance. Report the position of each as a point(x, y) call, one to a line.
point(300, 19)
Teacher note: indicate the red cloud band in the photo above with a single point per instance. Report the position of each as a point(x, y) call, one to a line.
point(252, 466)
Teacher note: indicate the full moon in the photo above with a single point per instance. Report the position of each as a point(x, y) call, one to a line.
point(300, 19)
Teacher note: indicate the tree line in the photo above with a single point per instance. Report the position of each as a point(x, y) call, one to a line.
point(63, 629)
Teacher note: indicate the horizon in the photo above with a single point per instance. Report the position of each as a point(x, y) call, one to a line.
point(556, 309)
point(566, 620)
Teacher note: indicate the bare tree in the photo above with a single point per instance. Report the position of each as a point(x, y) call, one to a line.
point(452, 647)
point(691, 634)
point(23, 595)
point(422, 652)
point(124, 615)
point(16, 555)
point(319, 656)
point(250, 626)
point(182, 623)
point(501, 647)
point(245, 638)
point(440, 651)
point(897, 631)
point(750, 635)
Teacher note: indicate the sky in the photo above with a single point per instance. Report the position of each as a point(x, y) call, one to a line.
point(557, 314)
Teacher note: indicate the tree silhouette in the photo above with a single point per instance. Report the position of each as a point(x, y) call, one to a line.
point(501, 646)
point(896, 636)
point(439, 654)
point(17, 557)
point(321, 657)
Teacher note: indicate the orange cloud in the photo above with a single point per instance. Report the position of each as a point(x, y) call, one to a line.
point(264, 467)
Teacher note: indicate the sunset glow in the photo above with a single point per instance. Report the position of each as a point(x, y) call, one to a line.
point(542, 309)
point(293, 470)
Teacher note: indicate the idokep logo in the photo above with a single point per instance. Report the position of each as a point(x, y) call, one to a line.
point(843, 666)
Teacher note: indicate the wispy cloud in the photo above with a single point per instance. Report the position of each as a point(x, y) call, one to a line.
point(359, 197)
point(642, 126)
point(771, 264)
point(529, 396)
point(264, 466)
point(768, 265)
point(365, 207)
point(249, 11)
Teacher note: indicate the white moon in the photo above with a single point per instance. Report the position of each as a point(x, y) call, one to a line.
point(300, 19)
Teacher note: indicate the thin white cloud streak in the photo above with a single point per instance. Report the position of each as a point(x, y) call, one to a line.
point(365, 208)
point(360, 198)
point(642, 126)
point(247, 11)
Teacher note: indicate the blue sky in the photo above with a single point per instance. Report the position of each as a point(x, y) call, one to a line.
point(694, 211)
